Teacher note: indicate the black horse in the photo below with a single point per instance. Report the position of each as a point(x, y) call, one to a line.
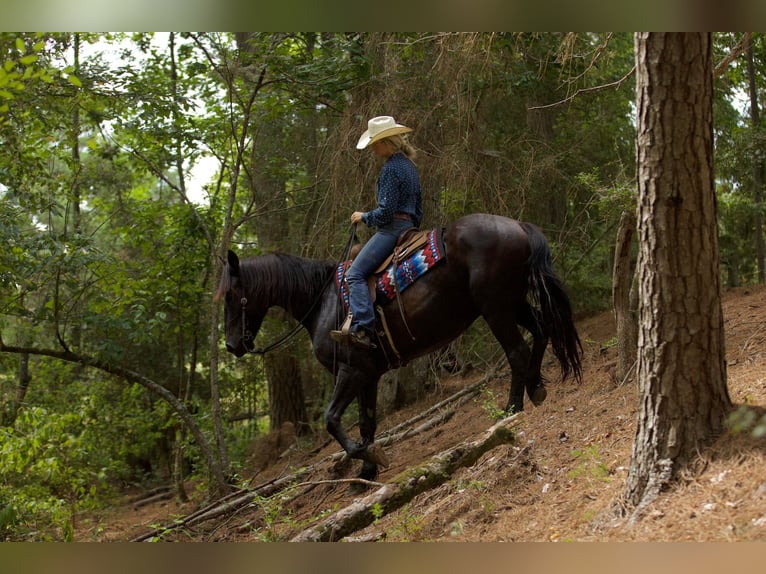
point(495, 267)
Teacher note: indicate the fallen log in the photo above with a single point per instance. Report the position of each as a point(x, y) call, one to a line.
point(408, 485)
point(235, 500)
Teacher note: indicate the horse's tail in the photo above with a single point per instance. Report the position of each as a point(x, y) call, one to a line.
point(547, 292)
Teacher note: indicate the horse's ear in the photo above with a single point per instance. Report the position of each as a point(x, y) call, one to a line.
point(233, 263)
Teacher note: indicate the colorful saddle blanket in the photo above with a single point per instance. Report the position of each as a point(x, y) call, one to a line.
point(406, 273)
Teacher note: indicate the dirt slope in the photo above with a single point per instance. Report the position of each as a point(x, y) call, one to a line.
point(560, 481)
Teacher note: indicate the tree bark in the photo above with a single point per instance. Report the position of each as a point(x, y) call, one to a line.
point(624, 309)
point(758, 163)
point(681, 362)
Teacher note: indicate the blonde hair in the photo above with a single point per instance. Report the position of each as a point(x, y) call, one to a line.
point(399, 142)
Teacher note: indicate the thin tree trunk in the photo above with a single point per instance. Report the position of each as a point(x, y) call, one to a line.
point(681, 361)
point(758, 164)
point(624, 311)
point(76, 193)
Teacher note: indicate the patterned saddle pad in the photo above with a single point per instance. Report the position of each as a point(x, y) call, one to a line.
point(406, 273)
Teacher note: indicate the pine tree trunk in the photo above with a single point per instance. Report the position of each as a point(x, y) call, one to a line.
point(681, 368)
point(758, 164)
point(624, 310)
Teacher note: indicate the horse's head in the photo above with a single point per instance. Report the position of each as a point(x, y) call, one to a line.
point(243, 313)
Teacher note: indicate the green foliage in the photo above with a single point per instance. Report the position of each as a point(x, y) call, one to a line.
point(48, 473)
point(584, 257)
point(589, 465)
point(407, 525)
point(107, 252)
point(21, 66)
point(747, 419)
point(489, 403)
point(377, 511)
point(67, 456)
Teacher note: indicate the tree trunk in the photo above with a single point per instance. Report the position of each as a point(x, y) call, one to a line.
point(755, 121)
point(287, 401)
point(272, 227)
point(681, 367)
point(624, 309)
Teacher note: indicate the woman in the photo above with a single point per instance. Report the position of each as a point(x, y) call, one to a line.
point(400, 206)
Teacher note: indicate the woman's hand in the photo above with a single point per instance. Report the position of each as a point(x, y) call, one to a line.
point(356, 217)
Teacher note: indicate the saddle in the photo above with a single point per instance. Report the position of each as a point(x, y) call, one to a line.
point(414, 254)
point(407, 243)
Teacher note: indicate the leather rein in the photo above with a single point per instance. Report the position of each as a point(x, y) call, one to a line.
point(247, 335)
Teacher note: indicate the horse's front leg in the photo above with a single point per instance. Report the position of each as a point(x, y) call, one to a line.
point(353, 384)
point(368, 397)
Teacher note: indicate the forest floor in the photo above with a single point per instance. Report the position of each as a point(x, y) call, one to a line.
point(561, 479)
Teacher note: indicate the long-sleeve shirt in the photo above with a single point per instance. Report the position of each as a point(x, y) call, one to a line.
point(398, 192)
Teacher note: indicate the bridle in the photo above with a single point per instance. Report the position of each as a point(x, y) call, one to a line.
point(247, 335)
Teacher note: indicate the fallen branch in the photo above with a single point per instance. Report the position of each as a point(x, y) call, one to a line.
point(410, 432)
point(470, 390)
point(234, 501)
point(167, 495)
point(151, 493)
point(409, 484)
point(227, 504)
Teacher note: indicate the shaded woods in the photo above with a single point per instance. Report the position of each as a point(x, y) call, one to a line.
point(132, 162)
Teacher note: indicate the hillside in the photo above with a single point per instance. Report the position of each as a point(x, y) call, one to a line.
point(560, 480)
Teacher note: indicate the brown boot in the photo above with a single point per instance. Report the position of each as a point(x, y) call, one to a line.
point(360, 338)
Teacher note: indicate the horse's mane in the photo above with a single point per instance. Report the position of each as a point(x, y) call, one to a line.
point(279, 279)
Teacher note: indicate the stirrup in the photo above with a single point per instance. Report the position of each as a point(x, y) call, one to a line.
point(342, 336)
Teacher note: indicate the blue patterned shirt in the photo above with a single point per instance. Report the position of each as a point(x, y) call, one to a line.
point(398, 191)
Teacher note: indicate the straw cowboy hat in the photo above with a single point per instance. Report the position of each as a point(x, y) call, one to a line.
point(379, 128)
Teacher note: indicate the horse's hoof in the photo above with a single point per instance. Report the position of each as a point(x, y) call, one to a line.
point(355, 489)
point(538, 396)
point(377, 455)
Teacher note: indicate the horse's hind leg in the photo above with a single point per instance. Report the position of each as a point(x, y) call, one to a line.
point(517, 352)
point(535, 383)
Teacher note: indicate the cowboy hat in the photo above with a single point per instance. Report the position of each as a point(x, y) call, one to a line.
point(379, 128)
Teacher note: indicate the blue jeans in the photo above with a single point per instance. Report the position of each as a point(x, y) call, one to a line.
point(379, 246)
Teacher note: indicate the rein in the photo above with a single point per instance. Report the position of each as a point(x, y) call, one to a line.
point(247, 335)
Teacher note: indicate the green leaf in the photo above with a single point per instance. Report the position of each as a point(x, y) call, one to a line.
point(28, 60)
point(74, 80)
